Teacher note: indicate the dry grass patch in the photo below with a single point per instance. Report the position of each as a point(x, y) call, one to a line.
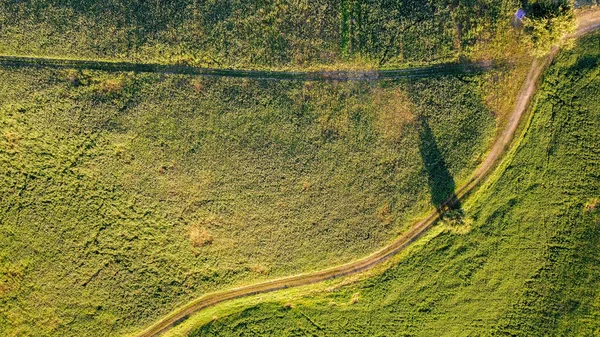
point(197, 85)
point(111, 85)
point(355, 298)
point(384, 213)
point(259, 269)
point(73, 77)
point(306, 185)
point(501, 90)
point(592, 205)
point(10, 278)
point(12, 139)
point(396, 111)
point(199, 236)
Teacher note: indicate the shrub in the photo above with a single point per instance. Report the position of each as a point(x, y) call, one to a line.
point(548, 22)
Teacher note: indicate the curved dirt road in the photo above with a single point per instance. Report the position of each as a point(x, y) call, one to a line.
point(587, 23)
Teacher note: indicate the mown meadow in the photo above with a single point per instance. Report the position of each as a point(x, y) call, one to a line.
point(255, 34)
point(521, 259)
point(124, 195)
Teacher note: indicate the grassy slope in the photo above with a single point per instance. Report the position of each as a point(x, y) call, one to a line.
point(115, 184)
point(253, 34)
point(524, 262)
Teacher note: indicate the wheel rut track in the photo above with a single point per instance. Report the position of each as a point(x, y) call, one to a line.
point(11, 61)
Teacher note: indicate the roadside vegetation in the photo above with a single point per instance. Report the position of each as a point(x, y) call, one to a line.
point(126, 195)
point(519, 259)
point(255, 34)
point(547, 21)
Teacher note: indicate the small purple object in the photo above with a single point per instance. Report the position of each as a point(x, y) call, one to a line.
point(520, 14)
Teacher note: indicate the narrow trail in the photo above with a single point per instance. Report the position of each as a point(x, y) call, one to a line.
point(10, 61)
point(587, 23)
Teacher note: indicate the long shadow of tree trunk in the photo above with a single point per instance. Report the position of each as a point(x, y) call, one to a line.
point(441, 183)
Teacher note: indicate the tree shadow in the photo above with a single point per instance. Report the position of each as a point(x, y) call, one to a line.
point(441, 183)
point(585, 63)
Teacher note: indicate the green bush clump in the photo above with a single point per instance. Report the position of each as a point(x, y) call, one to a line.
point(547, 23)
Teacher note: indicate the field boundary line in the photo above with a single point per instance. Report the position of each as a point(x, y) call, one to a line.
point(469, 68)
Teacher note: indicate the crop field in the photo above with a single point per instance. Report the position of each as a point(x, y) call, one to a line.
point(521, 259)
point(254, 34)
point(124, 195)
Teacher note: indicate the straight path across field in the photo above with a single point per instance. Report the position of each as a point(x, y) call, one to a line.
point(350, 75)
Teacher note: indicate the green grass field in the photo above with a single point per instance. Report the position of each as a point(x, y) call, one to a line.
point(254, 34)
point(523, 260)
point(126, 195)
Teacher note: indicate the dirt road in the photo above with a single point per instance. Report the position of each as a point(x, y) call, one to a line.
point(588, 23)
